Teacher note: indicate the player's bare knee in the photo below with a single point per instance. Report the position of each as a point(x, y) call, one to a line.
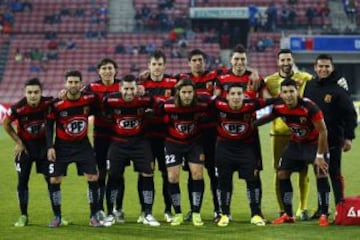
point(55, 180)
point(92, 177)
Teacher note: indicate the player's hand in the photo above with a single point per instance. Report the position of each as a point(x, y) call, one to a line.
point(19, 150)
point(321, 166)
point(343, 83)
point(51, 155)
point(347, 145)
point(144, 75)
point(254, 83)
point(62, 94)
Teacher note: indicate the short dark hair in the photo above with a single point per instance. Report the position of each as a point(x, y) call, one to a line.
point(238, 49)
point(32, 82)
point(324, 57)
point(128, 78)
point(232, 85)
point(157, 54)
point(105, 61)
point(73, 73)
point(284, 51)
point(196, 52)
point(179, 85)
point(288, 82)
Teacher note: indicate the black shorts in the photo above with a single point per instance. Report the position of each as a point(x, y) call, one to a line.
point(80, 152)
point(36, 152)
point(182, 154)
point(234, 156)
point(296, 156)
point(157, 148)
point(138, 150)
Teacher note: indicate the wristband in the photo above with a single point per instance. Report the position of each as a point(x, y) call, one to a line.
point(319, 155)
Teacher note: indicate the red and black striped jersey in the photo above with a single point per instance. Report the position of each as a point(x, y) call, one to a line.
point(128, 118)
point(300, 119)
point(237, 124)
point(30, 120)
point(71, 117)
point(159, 91)
point(224, 81)
point(183, 123)
point(102, 125)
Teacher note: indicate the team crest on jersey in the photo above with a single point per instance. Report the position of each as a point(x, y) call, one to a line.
point(223, 115)
point(234, 128)
point(174, 116)
point(117, 111)
point(140, 111)
point(185, 127)
point(247, 116)
point(63, 114)
point(167, 93)
point(328, 98)
point(86, 110)
point(128, 123)
point(76, 126)
point(209, 85)
point(303, 120)
point(35, 128)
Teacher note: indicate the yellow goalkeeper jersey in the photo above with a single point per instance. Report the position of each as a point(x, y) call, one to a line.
point(273, 85)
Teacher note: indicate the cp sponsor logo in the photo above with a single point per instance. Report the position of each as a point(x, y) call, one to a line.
point(234, 128)
point(298, 131)
point(129, 123)
point(76, 127)
point(35, 128)
point(187, 128)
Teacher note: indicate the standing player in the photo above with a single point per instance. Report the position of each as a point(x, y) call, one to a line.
point(240, 74)
point(236, 150)
point(182, 143)
point(71, 145)
point(204, 83)
point(339, 113)
point(307, 145)
point(280, 133)
point(158, 85)
point(29, 113)
point(129, 143)
point(107, 70)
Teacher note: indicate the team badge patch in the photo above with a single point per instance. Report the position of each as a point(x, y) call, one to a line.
point(328, 98)
point(167, 93)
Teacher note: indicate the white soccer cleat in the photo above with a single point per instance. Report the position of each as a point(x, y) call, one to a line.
point(150, 220)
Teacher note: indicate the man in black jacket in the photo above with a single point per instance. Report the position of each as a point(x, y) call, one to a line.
point(339, 113)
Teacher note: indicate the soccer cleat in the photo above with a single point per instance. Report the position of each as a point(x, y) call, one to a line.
point(56, 222)
point(22, 221)
point(168, 217)
point(140, 218)
point(65, 222)
point(150, 220)
point(324, 221)
point(303, 214)
point(284, 219)
point(317, 214)
point(177, 219)
point(95, 222)
point(217, 217)
point(257, 220)
point(119, 216)
point(224, 221)
point(100, 216)
point(196, 220)
point(188, 216)
point(109, 220)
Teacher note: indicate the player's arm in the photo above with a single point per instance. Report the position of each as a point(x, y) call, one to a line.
point(255, 80)
point(264, 119)
point(19, 147)
point(349, 115)
point(320, 162)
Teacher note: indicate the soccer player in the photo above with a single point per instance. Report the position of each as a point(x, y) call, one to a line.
point(128, 113)
point(237, 150)
point(339, 113)
point(280, 133)
point(307, 145)
point(182, 143)
point(71, 145)
point(158, 85)
point(107, 83)
point(241, 74)
point(204, 83)
point(29, 113)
